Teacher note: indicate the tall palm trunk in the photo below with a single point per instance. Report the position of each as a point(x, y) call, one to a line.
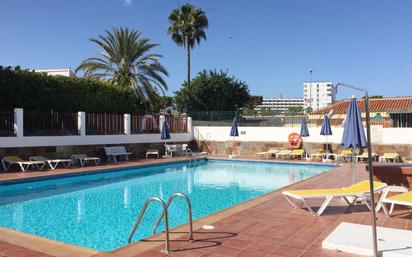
point(188, 66)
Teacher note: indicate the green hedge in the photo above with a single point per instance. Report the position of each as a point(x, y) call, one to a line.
point(39, 92)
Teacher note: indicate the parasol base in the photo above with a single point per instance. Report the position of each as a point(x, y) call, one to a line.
point(357, 239)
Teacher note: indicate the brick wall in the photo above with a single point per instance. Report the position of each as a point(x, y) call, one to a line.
point(250, 148)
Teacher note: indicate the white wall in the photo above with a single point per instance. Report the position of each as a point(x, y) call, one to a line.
point(280, 134)
point(90, 140)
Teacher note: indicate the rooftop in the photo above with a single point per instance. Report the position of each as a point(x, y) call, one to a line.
point(388, 104)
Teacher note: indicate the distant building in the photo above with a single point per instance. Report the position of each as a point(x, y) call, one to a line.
point(318, 94)
point(66, 72)
point(388, 112)
point(279, 104)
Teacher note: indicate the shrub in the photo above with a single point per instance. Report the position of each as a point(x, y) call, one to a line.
point(39, 92)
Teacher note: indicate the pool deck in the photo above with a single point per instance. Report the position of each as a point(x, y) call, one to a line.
point(265, 226)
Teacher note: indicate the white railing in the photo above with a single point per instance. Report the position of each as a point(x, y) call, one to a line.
point(21, 140)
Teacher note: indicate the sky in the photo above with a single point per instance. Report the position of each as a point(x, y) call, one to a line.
point(269, 44)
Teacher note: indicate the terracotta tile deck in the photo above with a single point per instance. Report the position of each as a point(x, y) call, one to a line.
point(265, 226)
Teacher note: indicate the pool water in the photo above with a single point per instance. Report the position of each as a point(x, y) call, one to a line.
point(98, 210)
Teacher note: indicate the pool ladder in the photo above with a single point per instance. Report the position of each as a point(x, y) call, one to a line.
point(164, 215)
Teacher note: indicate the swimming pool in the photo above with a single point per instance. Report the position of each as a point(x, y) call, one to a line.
point(98, 210)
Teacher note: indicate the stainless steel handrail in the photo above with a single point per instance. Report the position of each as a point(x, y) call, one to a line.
point(164, 214)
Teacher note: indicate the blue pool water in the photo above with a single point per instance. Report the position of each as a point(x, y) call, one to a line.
point(98, 210)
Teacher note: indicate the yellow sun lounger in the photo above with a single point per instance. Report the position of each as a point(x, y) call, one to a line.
point(404, 199)
point(269, 153)
point(344, 155)
point(364, 156)
point(283, 153)
point(356, 191)
point(394, 157)
point(24, 165)
point(297, 153)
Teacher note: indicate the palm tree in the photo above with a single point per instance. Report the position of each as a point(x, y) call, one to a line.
point(125, 61)
point(187, 25)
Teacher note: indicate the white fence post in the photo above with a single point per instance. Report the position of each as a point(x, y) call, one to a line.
point(18, 122)
point(81, 123)
point(127, 124)
point(162, 119)
point(189, 125)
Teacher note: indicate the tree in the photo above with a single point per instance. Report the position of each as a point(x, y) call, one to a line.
point(212, 91)
point(126, 61)
point(187, 25)
point(254, 101)
point(295, 110)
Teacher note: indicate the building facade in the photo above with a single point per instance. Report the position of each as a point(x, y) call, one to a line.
point(66, 72)
point(318, 94)
point(279, 104)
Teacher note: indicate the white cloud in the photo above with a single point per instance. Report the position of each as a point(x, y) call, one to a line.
point(127, 2)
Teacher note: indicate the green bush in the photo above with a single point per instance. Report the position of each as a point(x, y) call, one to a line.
point(39, 92)
point(212, 91)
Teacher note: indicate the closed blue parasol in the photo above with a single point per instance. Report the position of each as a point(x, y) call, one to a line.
point(233, 131)
point(165, 131)
point(304, 131)
point(326, 130)
point(353, 133)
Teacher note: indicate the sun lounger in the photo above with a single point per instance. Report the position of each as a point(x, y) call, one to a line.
point(269, 153)
point(52, 163)
point(344, 155)
point(319, 154)
point(283, 153)
point(356, 191)
point(404, 198)
point(364, 156)
point(152, 152)
point(83, 159)
point(112, 152)
point(24, 165)
point(387, 157)
point(297, 153)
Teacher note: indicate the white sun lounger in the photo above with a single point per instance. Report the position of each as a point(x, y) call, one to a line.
point(24, 165)
point(152, 152)
point(112, 152)
point(52, 163)
point(356, 191)
point(83, 159)
point(404, 198)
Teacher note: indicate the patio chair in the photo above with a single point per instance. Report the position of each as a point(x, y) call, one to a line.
point(344, 155)
point(83, 159)
point(52, 163)
point(24, 165)
point(364, 156)
point(283, 153)
point(350, 194)
point(404, 199)
point(152, 152)
point(112, 152)
point(268, 154)
point(297, 153)
point(387, 157)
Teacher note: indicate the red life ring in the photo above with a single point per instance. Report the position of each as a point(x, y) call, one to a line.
point(294, 141)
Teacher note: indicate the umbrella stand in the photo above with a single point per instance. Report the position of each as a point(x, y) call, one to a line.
point(370, 164)
point(352, 165)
